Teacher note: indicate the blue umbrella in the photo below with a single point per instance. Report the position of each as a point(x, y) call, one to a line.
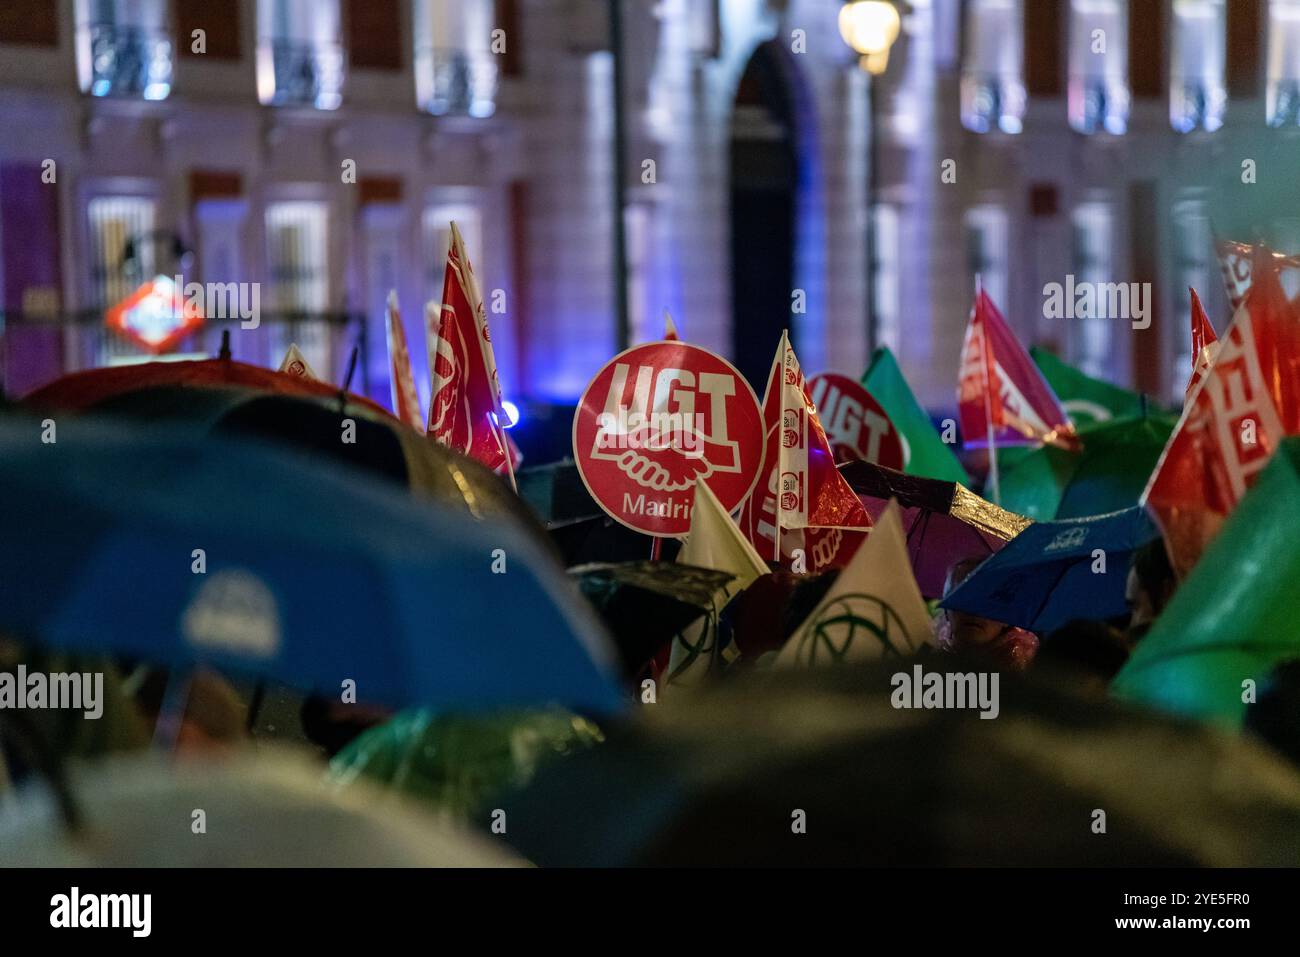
point(178, 550)
point(1055, 572)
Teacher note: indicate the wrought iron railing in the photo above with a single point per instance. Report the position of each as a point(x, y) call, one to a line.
point(129, 61)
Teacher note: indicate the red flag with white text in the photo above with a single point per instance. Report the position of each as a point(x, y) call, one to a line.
point(1000, 392)
point(406, 401)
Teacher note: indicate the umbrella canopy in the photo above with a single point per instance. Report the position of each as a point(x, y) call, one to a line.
point(944, 522)
point(723, 779)
point(83, 390)
point(1236, 615)
point(645, 604)
point(381, 444)
point(268, 807)
point(1056, 572)
point(1107, 475)
point(580, 529)
point(312, 577)
point(457, 763)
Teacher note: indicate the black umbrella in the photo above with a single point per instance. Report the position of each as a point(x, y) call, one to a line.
point(645, 604)
point(820, 768)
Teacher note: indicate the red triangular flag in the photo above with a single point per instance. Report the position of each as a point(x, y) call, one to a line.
point(1001, 395)
point(799, 489)
point(406, 402)
point(465, 402)
point(1232, 422)
point(670, 328)
point(1204, 344)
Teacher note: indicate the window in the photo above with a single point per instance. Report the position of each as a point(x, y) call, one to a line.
point(436, 227)
point(886, 256)
point(1197, 96)
point(1098, 92)
point(986, 251)
point(299, 53)
point(297, 236)
point(992, 87)
point(124, 48)
point(1283, 95)
point(1192, 269)
point(455, 68)
point(113, 223)
point(1094, 237)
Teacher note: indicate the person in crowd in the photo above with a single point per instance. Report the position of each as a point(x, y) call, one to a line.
point(956, 631)
point(1275, 716)
point(1151, 583)
point(1090, 652)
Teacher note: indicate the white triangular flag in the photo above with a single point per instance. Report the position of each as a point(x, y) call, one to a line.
point(295, 363)
point(873, 610)
point(714, 542)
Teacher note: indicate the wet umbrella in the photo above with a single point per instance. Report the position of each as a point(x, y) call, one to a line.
point(945, 522)
point(457, 763)
point(1107, 475)
point(379, 442)
point(821, 768)
point(1056, 572)
point(580, 529)
point(645, 604)
point(79, 391)
point(1237, 614)
point(265, 808)
point(177, 549)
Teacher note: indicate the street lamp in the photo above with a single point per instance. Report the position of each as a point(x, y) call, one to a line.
point(870, 28)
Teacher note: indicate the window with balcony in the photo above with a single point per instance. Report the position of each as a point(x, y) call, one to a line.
point(1197, 94)
point(992, 84)
point(986, 251)
point(300, 57)
point(1094, 238)
point(1283, 95)
point(456, 70)
point(1098, 93)
point(297, 239)
point(124, 48)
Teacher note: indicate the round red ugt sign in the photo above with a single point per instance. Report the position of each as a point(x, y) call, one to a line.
point(656, 418)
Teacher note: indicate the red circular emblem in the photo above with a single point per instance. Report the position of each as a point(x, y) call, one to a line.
point(656, 418)
point(856, 425)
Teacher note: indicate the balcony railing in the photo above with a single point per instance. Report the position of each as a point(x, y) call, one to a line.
point(129, 61)
point(457, 81)
point(305, 74)
point(990, 101)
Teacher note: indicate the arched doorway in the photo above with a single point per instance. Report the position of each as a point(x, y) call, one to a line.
point(767, 168)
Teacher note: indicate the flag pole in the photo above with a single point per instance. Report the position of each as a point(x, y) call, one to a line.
point(988, 402)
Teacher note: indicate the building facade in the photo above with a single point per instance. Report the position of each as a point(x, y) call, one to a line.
point(318, 148)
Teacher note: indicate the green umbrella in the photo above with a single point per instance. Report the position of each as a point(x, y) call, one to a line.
point(1238, 612)
point(1088, 401)
point(1108, 475)
point(457, 762)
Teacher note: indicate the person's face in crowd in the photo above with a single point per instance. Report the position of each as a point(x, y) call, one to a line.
point(972, 631)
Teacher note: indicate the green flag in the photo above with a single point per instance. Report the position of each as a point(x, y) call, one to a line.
point(1086, 400)
point(924, 453)
point(1236, 615)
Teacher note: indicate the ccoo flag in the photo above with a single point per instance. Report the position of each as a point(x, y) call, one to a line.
point(924, 452)
point(1233, 420)
point(714, 542)
point(874, 609)
point(799, 489)
point(406, 403)
point(1000, 392)
point(465, 404)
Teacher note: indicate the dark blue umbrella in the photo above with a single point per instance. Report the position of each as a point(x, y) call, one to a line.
point(1053, 573)
point(148, 543)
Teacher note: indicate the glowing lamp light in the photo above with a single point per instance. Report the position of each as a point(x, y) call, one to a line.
point(870, 27)
point(156, 317)
point(512, 413)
